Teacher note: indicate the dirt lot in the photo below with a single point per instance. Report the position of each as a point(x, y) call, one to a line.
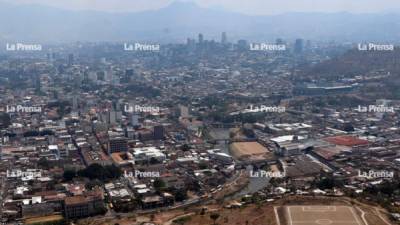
point(241, 149)
point(44, 219)
point(252, 151)
point(257, 214)
point(366, 214)
point(251, 215)
point(322, 215)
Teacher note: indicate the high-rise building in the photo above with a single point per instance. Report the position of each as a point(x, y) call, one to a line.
point(224, 38)
point(112, 117)
point(308, 44)
point(242, 45)
point(158, 132)
point(86, 76)
point(191, 43)
point(70, 59)
point(298, 46)
point(118, 144)
point(184, 111)
point(75, 102)
point(5, 120)
point(279, 41)
point(38, 84)
point(101, 75)
point(135, 120)
point(129, 73)
point(201, 38)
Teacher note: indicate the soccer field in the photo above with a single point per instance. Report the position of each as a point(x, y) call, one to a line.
point(322, 215)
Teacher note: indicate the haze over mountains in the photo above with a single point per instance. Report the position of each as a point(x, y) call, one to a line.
point(176, 22)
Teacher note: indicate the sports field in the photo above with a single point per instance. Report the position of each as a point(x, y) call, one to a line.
point(322, 215)
point(249, 150)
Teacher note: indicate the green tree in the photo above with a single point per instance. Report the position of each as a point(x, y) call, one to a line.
point(97, 171)
point(69, 174)
point(43, 163)
point(185, 147)
point(203, 166)
point(214, 217)
point(154, 161)
point(93, 183)
point(5, 120)
point(180, 195)
point(159, 184)
point(348, 127)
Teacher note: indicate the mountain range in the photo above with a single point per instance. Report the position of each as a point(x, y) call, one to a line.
point(179, 20)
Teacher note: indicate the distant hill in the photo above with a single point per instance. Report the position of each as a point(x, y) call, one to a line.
point(176, 22)
point(355, 62)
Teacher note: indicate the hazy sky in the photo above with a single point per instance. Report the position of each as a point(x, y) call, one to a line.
point(252, 7)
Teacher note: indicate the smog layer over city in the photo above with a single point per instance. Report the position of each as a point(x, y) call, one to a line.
point(199, 112)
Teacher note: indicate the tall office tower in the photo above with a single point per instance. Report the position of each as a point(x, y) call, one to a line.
point(224, 38)
point(5, 120)
point(112, 115)
point(75, 102)
point(117, 144)
point(129, 72)
point(86, 76)
point(70, 59)
point(279, 41)
point(201, 38)
point(298, 46)
point(118, 116)
point(135, 120)
point(184, 111)
point(308, 44)
point(109, 75)
point(128, 75)
point(191, 43)
point(158, 132)
point(101, 75)
point(242, 45)
point(38, 84)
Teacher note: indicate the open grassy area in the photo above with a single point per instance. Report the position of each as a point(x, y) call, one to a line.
point(44, 219)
